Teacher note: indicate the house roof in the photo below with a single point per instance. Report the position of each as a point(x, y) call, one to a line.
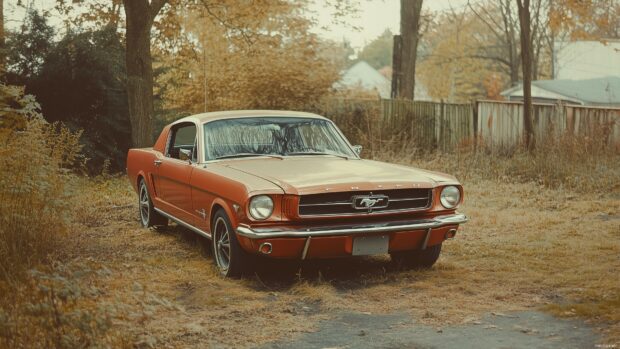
point(363, 75)
point(590, 91)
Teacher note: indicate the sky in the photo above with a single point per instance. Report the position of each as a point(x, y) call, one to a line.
point(373, 17)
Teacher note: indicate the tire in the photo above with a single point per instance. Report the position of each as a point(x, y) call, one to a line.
point(417, 259)
point(148, 216)
point(229, 257)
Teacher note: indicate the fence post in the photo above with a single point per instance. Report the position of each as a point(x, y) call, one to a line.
point(442, 125)
point(474, 106)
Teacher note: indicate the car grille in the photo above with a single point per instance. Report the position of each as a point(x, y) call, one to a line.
point(342, 202)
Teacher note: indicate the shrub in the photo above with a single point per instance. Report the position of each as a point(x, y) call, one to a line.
point(34, 171)
point(60, 308)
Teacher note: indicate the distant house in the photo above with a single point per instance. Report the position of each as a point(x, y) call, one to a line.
point(603, 91)
point(363, 76)
point(586, 59)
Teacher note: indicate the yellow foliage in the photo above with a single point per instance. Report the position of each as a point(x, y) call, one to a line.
point(253, 57)
point(583, 20)
point(34, 157)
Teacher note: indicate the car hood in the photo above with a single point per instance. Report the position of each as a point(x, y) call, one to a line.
point(317, 174)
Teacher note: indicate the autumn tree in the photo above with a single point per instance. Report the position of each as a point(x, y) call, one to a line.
point(593, 20)
point(140, 20)
point(378, 52)
point(405, 48)
point(244, 57)
point(91, 13)
point(501, 42)
point(450, 68)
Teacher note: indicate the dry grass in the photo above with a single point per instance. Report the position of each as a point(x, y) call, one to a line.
point(576, 163)
point(528, 247)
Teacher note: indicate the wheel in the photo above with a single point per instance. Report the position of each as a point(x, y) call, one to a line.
point(148, 216)
point(229, 257)
point(417, 258)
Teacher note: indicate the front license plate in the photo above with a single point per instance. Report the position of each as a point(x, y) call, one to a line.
point(369, 245)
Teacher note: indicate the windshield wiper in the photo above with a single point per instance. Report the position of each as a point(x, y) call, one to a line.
point(245, 155)
point(317, 153)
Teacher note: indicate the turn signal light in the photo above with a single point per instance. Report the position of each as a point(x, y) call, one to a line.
point(265, 248)
point(451, 234)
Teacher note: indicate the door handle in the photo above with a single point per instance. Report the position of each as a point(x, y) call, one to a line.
point(157, 162)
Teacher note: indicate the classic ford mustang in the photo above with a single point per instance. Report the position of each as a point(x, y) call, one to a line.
point(288, 185)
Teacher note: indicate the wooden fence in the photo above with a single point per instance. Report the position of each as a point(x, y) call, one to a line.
point(429, 125)
point(446, 126)
point(500, 124)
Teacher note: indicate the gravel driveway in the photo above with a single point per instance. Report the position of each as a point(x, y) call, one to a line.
point(529, 329)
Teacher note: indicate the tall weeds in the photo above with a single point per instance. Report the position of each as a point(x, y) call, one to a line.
point(580, 162)
point(34, 177)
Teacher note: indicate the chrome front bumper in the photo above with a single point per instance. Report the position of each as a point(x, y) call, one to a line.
point(421, 224)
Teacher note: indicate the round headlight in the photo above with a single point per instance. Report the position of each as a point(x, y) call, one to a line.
point(450, 196)
point(261, 207)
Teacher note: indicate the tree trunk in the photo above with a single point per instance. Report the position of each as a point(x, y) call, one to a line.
point(410, 11)
point(526, 62)
point(2, 39)
point(396, 67)
point(140, 16)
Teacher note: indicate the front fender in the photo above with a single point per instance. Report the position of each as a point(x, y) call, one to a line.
point(227, 207)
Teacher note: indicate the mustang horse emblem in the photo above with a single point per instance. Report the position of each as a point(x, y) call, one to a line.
point(368, 202)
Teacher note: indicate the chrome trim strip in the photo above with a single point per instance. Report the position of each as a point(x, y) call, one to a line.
point(436, 222)
point(409, 199)
point(335, 203)
point(306, 246)
point(426, 237)
point(183, 223)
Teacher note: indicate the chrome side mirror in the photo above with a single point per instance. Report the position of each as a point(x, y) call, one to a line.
point(357, 149)
point(185, 155)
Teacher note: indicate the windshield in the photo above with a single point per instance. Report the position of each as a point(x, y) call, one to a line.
point(276, 136)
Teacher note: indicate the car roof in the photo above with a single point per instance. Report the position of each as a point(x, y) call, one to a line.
point(235, 114)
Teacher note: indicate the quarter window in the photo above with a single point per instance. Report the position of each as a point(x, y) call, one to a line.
point(183, 137)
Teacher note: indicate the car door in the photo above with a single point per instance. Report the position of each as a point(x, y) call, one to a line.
point(175, 172)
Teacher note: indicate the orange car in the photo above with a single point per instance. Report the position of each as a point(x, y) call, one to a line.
point(289, 185)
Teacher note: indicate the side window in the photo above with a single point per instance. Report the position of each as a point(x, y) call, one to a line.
point(182, 141)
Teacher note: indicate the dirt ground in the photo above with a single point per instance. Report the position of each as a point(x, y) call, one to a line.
point(533, 268)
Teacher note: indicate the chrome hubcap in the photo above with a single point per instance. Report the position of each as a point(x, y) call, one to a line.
point(221, 240)
point(144, 205)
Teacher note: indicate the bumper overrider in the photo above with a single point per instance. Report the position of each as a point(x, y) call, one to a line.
point(383, 227)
